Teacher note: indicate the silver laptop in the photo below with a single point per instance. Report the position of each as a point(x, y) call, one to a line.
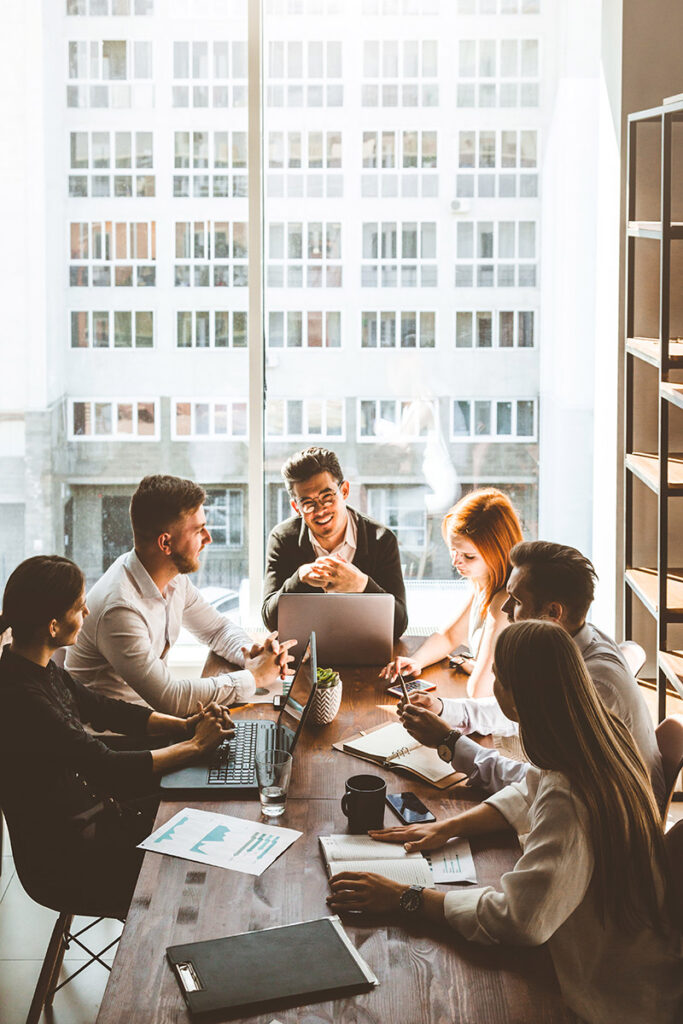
point(350, 629)
point(232, 765)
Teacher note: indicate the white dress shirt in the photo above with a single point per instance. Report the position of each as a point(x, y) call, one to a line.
point(122, 648)
point(606, 974)
point(346, 547)
point(617, 687)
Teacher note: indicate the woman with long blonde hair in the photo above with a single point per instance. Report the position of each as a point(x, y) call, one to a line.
point(592, 878)
point(480, 531)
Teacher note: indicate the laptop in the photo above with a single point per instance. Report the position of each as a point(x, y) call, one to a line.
point(232, 765)
point(351, 629)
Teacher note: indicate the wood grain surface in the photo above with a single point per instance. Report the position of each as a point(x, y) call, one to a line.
point(427, 973)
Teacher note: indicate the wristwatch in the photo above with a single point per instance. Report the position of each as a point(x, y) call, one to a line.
point(446, 748)
point(411, 899)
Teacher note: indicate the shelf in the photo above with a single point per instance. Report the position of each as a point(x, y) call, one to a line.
point(671, 664)
point(672, 393)
point(653, 229)
point(646, 467)
point(648, 350)
point(644, 584)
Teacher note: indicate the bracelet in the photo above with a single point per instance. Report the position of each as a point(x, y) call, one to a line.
point(442, 707)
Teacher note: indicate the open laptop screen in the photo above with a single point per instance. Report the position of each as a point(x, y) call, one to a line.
point(300, 691)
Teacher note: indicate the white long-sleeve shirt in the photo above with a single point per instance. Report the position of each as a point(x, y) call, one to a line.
point(606, 974)
point(617, 687)
point(122, 648)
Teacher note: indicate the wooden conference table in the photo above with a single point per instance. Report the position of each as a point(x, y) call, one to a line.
point(427, 973)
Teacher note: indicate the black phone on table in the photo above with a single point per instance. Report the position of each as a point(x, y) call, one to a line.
point(412, 686)
point(409, 808)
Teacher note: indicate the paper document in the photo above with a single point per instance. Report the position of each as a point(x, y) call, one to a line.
point(220, 839)
point(453, 863)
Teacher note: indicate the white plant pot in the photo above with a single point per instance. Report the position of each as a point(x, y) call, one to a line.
point(325, 705)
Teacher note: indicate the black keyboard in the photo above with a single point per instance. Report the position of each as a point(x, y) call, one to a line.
point(232, 763)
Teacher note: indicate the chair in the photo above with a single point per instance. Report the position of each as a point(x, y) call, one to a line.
point(48, 980)
point(673, 841)
point(669, 735)
point(634, 655)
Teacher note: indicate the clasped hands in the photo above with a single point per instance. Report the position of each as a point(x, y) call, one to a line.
point(333, 574)
point(209, 726)
point(269, 661)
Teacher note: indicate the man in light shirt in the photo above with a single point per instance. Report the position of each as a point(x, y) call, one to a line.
point(547, 581)
point(138, 606)
point(328, 546)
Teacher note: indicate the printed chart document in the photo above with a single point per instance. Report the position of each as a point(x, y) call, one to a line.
point(453, 863)
point(361, 853)
point(220, 839)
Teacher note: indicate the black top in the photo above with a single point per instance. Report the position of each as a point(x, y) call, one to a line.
point(289, 546)
point(51, 768)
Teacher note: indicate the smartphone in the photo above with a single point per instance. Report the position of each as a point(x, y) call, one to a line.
point(409, 808)
point(459, 655)
point(412, 686)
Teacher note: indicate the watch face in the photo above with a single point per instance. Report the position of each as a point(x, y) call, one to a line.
point(444, 752)
point(411, 898)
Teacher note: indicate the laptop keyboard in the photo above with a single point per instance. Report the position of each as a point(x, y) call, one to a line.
point(232, 763)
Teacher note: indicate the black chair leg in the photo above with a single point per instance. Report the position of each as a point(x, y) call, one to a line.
point(53, 955)
point(58, 963)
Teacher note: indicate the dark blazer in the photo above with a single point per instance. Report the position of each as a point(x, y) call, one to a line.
point(376, 554)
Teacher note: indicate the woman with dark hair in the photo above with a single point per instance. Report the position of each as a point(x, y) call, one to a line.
point(592, 878)
point(71, 801)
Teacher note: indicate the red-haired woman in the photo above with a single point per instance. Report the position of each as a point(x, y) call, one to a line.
point(480, 531)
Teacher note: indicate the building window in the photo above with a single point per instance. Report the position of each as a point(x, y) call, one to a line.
point(498, 73)
point(109, 164)
point(398, 330)
point(405, 163)
point(112, 253)
point(209, 418)
point(224, 512)
point(210, 74)
point(109, 419)
point(304, 74)
point(100, 8)
point(392, 248)
point(497, 163)
point(296, 419)
point(418, 7)
point(304, 164)
point(219, 328)
point(296, 329)
point(500, 420)
point(112, 329)
point(395, 420)
point(403, 511)
point(214, 164)
point(110, 73)
point(207, 8)
point(295, 247)
point(400, 73)
point(203, 246)
point(496, 253)
point(495, 329)
point(499, 6)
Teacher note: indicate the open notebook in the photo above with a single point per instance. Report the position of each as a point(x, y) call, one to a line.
point(361, 853)
point(393, 747)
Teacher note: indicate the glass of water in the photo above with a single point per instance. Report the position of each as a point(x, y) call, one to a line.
point(273, 771)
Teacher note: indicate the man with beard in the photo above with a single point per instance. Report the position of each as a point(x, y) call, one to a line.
point(138, 607)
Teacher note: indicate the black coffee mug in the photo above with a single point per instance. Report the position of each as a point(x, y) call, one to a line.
point(363, 802)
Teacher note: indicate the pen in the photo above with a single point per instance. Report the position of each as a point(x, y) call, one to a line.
point(404, 688)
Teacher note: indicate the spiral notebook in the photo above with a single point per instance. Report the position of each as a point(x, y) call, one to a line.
point(393, 747)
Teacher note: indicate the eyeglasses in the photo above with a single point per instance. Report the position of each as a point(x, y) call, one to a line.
point(307, 506)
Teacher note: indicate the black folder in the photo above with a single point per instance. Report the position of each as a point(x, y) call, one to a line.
point(274, 968)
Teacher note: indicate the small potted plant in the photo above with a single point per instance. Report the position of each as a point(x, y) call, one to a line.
point(327, 697)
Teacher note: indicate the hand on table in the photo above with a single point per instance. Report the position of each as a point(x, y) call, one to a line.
point(424, 726)
point(361, 890)
point(408, 667)
point(430, 835)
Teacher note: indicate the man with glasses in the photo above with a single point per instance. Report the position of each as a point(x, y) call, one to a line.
point(327, 546)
